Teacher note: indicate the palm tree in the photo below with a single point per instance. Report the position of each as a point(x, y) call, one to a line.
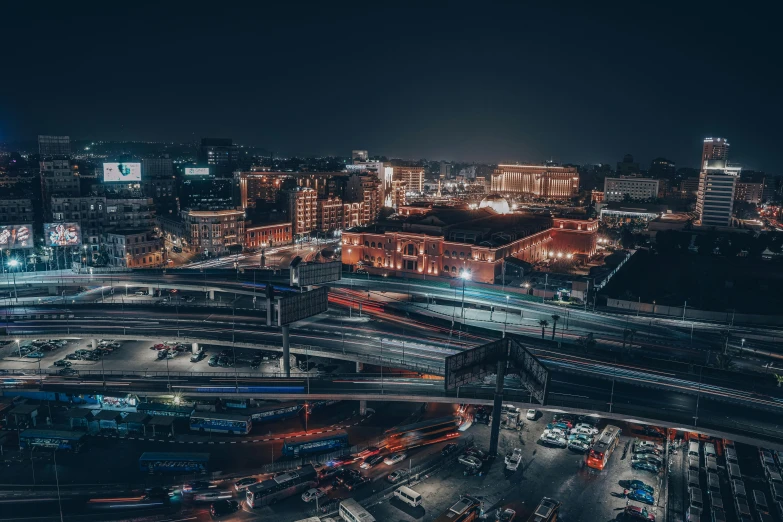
point(555, 318)
point(543, 323)
point(631, 334)
point(725, 361)
point(626, 333)
point(587, 342)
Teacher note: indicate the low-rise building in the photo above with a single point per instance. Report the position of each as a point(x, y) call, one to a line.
point(268, 235)
point(134, 248)
point(213, 231)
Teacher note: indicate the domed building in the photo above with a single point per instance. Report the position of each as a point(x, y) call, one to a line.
point(495, 202)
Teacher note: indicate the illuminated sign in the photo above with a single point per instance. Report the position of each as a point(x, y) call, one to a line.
point(122, 172)
point(62, 234)
point(16, 236)
point(197, 171)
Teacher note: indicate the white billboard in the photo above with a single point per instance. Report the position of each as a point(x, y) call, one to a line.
point(122, 172)
point(196, 171)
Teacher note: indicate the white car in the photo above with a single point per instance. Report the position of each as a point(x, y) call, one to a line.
point(394, 459)
point(647, 444)
point(579, 446)
point(531, 414)
point(512, 461)
point(582, 431)
point(583, 427)
point(549, 438)
point(312, 494)
point(556, 432)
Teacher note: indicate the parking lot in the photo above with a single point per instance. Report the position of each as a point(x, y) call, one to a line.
point(585, 494)
point(163, 356)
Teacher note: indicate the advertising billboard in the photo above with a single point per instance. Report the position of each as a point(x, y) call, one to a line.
point(62, 234)
point(308, 274)
point(197, 171)
point(473, 365)
point(122, 172)
point(533, 374)
point(16, 236)
point(297, 306)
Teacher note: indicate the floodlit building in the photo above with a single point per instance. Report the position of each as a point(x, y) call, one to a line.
point(539, 181)
point(267, 235)
point(212, 231)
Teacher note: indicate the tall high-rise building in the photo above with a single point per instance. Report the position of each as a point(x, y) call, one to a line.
point(714, 149)
point(717, 184)
point(359, 155)
point(54, 146)
point(302, 205)
point(540, 181)
point(220, 154)
point(365, 189)
point(412, 177)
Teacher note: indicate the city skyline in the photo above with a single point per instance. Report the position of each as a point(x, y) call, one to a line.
point(471, 87)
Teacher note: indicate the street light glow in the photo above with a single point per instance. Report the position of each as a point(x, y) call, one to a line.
point(13, 263)
point(465, 275)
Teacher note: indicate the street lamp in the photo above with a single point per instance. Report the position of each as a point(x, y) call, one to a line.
point(505, 321)
point(126, 290)
point(465, 276)
point(18, 347)
point(13, 263)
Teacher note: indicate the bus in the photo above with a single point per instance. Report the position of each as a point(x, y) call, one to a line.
point(53, 439)
point(175, 462)
point(420, 433)
point(352, 511)
point(230, 423)
point(603, 447)
point(466, 510)
point(281, 486)
point(283, 410)
point(319, 443)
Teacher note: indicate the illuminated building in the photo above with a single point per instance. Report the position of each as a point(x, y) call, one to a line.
point(413, 177)
point(539, 181)
point(616, 189)
point(268, 235)
point(714, 149)
point(717, 184)
point(213, 231)
point(302, 205)
point(134, 248)
point(450, 243)
point(749, 192)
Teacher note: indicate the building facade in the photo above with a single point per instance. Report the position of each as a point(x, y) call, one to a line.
point(715, 198)
point(465, 252)
point(213, 232)
point(257, 187)
point(637, 189)
point(134, 248)
point(98, 215)
point(262, 236)
point(366, 190)
point(538, 181)
point(54, 146)
point(413, 177)
point(302, 206)
point(16, 211)
point(714, 149)
point(749, 192)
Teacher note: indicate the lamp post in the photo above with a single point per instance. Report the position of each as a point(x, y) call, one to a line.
point(19, 348)
point(505, 321)
point(13, 263)
point(465, 276)
point(126, 290)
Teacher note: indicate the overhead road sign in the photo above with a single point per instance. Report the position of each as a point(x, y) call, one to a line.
point(295, 307)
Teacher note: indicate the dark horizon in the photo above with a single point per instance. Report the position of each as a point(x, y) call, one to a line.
point(490, 85)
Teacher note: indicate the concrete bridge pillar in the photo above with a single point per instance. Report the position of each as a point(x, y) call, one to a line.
point(497, 405)
point(286, 352)
point(94, 343)
point(362, 408)
point(211, 295)
point(53, 290)
point(151, 291)
point(359, 367)
point(194, 348)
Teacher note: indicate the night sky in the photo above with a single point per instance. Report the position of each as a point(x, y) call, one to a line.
point(488, 83)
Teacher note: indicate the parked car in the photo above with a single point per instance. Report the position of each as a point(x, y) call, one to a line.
point(66, 371)
point(643, 465)
point(73, 357)
point(395, 458)
point(513, 460)
point(531, 414)
point(549, 438)
point(640, 495)
point(652, 459)
point(638, 513)
point(62, 362)
point(213, 361)
point(647, 444)
point(505, 515)
point(255, 364)
point(638, 484)
point(357, 482)
point(35, 355)
point(196, 357)
point(578, 446)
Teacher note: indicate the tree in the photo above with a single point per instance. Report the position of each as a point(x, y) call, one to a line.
point(587, 342)
point(626, 334)
point(725, 361)
point(555, 319)
point(779, 378)
point(543, 323)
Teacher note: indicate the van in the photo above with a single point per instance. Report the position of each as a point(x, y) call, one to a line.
point(760, 501)
point(734, 472)
point(693, 448)
point(693, 479)
point(777, 491)
point(408, 496)
point(709, 449)
point(696, 500)
point(711, 464)
point(738, 488)
point(713, 482)
point(731, 455)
